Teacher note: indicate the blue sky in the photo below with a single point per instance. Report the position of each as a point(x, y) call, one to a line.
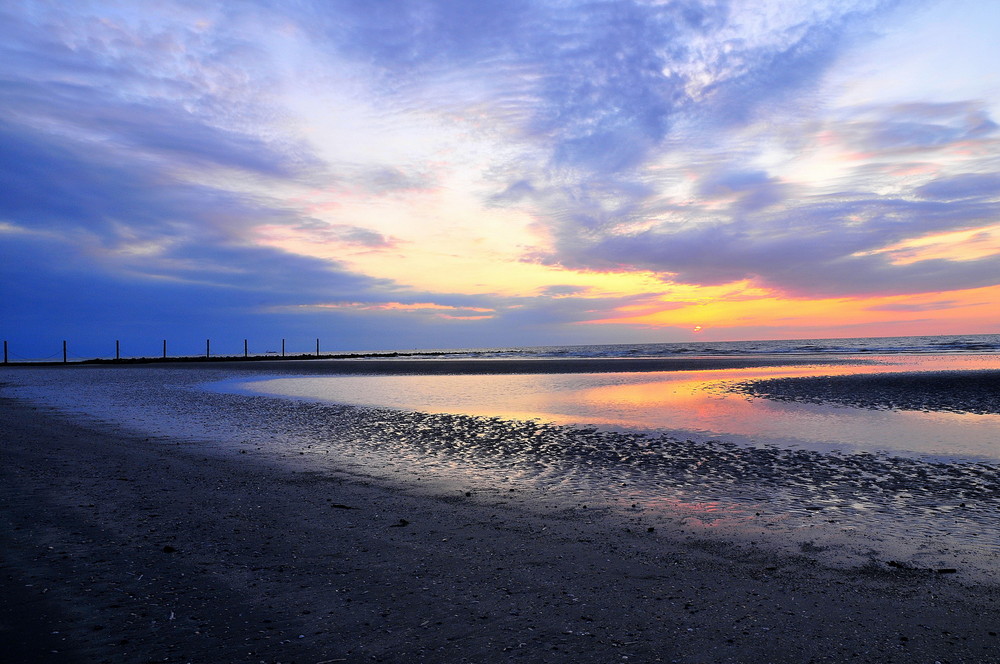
point(393, 175)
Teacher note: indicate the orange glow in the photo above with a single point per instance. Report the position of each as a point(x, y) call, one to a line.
point(486, 258)
point(453, 260)
point(771, 313)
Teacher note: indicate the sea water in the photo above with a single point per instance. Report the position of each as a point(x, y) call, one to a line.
point(694, 405)
point(969, 343)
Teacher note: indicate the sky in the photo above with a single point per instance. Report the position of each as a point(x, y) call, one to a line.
point(443, 173)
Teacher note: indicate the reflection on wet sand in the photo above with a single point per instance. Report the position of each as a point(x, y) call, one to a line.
point(689, 404)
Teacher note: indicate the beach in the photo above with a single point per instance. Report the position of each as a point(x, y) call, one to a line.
point(961, 392)
point(123, 544)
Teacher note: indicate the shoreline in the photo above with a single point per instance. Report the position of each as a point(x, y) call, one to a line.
point(135, 549)
point(399, 364)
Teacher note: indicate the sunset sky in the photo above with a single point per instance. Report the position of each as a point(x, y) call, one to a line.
point(449, 173)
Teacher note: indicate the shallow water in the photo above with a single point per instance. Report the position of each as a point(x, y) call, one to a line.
point(686, 404)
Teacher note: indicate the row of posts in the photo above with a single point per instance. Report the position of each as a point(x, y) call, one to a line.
point(118, 348)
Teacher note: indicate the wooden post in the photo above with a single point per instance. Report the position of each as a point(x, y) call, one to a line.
point(5, 351)
point(208, 348)
point(164, 349)
point(118, 349)
point(244, 348)
point(282, 347)
point(317, 348)
point(64, 351)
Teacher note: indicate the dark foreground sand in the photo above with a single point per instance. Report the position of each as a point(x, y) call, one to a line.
point(121, 549)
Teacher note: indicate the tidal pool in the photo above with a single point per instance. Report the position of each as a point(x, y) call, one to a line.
point(693, 405)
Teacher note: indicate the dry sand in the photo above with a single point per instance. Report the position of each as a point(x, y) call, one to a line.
point(117, 548)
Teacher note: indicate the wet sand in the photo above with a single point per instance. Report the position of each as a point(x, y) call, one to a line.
point(954, 391)
point(123, 548)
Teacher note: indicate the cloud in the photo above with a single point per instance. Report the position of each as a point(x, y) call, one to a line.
point(152, 84)
point(963, 186)
point(917, 126)
point(598, 85)
point(131, 228)
point(918, 306)
point(786, 234)
point(343, 234)
point(419, 308)
point(150, 129)
point(392, 179)
point(608, 105)
point(557, 290)
point(752, 190)
point(821, 249)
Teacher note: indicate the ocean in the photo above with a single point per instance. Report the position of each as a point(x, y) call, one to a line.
point(970, 343)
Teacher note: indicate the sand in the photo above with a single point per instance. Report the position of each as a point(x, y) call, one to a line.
point(955, 391)
point(118, 548)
